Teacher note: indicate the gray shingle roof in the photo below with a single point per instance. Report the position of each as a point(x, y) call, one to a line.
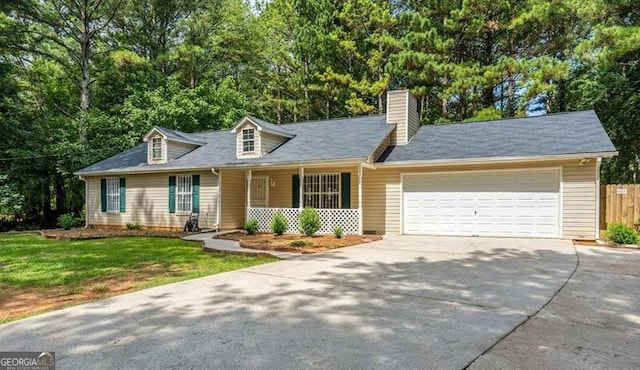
point(270, 127)
point(178, 136)
point(552, 134)
point(337, 139)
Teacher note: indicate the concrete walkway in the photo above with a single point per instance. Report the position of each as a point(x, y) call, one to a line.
point(210, 244)
point(403, 302)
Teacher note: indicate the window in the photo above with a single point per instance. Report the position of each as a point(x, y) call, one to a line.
point(113, 194)
point(248, 140)
point(184, 194)
point(156, 148)
point(322, 190)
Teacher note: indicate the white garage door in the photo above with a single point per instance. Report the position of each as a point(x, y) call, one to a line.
point(496, 203)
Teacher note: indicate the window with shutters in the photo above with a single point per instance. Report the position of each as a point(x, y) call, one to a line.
point(184, 194)
point(322, 190)
point(113, 194)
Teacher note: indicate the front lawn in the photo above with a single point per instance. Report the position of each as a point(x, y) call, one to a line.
point(38, 274)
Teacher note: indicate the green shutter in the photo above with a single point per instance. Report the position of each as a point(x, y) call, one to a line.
point(345, 179)
point(295, 191)
point(123, 194)
point(103, 195)
point(172, 194)
point(195, 201)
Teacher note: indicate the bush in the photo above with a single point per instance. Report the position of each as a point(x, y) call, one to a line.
point(279, 223)
point(301, 243)
point(622, 234)
point(251, 227)
point(338, 231)
point(309, 221)
point(67, 221)
point(135, 226)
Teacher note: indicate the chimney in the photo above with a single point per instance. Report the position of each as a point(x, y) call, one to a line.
point(402, 110)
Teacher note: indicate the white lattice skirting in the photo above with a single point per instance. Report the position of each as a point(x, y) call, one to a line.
point(347, 218)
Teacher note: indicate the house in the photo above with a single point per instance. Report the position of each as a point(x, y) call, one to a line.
point(382, 174)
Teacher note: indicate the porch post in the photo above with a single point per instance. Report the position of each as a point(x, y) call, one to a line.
point(301, 187)
point(360, 221)
point(248, 175)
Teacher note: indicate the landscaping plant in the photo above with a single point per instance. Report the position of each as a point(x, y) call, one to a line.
point(279, 223)
point(134, 226)
point(251, 227)
point(622, 234)
point(67, 221)
point(310, 221)
point(338, 231)
point(301, 244)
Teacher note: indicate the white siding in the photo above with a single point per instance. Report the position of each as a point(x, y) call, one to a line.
point(147, 201)
point(579, 200)
point(176, 149)
point(382, 195)
point(257, 143)
point(397, 114)
point(413, 120)
point(380, 149)
point(269, 142)
point(233, 199)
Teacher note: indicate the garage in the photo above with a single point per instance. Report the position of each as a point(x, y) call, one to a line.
point(519, 203)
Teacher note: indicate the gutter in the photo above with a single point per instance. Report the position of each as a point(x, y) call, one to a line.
point(494, 160)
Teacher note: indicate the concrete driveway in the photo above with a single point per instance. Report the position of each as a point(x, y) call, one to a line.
point(403, 302)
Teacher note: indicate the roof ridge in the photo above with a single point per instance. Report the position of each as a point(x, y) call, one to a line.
point(509, 118)
point(332, 119)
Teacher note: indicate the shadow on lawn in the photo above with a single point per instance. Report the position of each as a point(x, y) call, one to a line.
point(421, 312)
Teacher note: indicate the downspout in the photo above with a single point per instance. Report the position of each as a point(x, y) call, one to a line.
point(219, 202)
point(86, 201)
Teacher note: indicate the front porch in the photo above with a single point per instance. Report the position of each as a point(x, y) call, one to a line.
point(336, 193)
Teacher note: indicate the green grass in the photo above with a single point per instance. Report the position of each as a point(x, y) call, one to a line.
point(31, 263)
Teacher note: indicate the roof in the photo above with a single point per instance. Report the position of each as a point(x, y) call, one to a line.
point(177, 135)
point(272, 128)
point(553, 134)
point(355, 139)
point(327, 140)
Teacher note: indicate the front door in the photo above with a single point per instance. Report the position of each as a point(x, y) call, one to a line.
point(260, 191)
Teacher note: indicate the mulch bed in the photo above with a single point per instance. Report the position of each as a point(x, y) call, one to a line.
point(101, 233)
point(593, 243)
point(320, 243)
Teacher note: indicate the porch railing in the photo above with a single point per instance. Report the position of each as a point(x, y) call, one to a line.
point(346, 218)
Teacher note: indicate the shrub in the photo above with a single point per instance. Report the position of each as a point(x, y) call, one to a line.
point(135, 226)
point(279, 223)
point(622, 234)
point(309, 221)
point(338, 231)
point(67, 221)
point(251, 226)
point(301, 243)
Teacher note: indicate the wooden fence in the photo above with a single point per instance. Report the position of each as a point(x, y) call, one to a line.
point(619, 203)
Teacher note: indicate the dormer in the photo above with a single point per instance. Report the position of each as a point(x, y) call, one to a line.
point(255, 137)
point(164, 145)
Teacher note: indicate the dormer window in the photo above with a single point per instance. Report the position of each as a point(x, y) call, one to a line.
point(156, 148)
point(248, 140)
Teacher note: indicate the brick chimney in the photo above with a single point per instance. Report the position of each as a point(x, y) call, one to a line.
point(402, 110)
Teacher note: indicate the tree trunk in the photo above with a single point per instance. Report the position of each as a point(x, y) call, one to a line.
point(85, 55)
point(60, 195)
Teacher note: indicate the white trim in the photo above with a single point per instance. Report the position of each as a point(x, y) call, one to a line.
point(156, 131)
point(561, 205)
point(360, 222)
point(494, 160)
point(243, 140)
point(301, 187)
point(406, 118)
point(597, 225)
point(556, 168)
point(109, 195)
point(248, 184)
point(190, 193)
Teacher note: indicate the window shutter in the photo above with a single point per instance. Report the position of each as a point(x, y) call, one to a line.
point(103, 195)
point(195, 195)
point(123, 194)
point(172, 194)
point(345, 179)
point(295, 191)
